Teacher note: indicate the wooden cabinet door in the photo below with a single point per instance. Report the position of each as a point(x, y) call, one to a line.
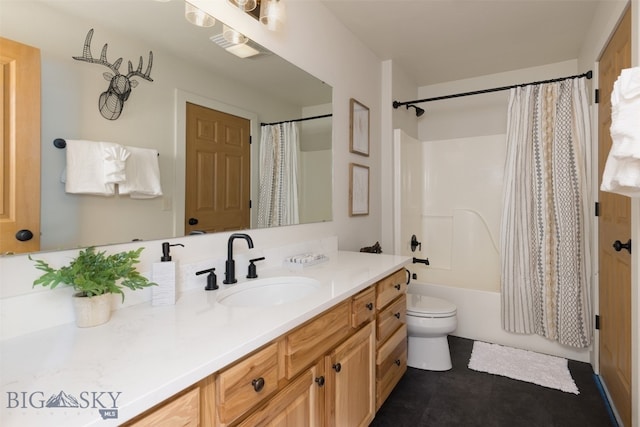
point(350, 380)
point(301, 403)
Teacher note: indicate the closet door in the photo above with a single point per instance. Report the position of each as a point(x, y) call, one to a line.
point(20, 147)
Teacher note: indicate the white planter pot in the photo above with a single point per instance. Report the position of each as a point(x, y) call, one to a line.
point(92, 311)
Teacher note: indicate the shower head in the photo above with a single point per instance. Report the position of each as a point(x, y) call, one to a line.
point(419, 111)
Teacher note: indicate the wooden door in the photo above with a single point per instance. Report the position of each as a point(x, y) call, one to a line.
point(20, 148)
point(614, 224)
point(350, 368)
point(218, 171)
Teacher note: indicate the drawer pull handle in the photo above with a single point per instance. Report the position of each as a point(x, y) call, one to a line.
point(258, 384)
point(397, 315)
point(320, 381)
point(369, 306)
point(337, 367)
point(398, 286)
point(397, 362)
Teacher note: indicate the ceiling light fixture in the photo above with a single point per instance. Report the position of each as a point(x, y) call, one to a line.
point(272, 14)
point(233, 36)
point(197, 16)
point(246, 5)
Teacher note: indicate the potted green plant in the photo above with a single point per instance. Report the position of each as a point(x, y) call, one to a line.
point(95, 276)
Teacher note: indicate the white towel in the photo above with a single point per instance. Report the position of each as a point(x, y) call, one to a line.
point(622, 170)
point(85, 171)
point(143, 174)
point(114, 164)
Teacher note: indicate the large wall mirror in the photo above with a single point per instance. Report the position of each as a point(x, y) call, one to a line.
point(188, 67)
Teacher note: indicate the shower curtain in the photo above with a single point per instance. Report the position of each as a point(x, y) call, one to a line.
point(545, 231)
point(279, 167)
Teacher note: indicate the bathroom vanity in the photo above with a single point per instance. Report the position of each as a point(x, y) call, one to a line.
point(328, 357)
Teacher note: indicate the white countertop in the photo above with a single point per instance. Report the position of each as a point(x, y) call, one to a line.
point(146, 354)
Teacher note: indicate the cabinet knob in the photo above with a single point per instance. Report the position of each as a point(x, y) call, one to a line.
point(320, 381)
point(397, 362)
point(258, 384)
point(337, 367)
point(397, 315)
point(398, 286)
point(370, 306)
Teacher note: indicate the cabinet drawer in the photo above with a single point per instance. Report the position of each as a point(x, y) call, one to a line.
point(391, 318)
point(391, 287)
point(180, 411)
point(244, 385)
point(310, 341)
point(363, 307)
point(391, 364)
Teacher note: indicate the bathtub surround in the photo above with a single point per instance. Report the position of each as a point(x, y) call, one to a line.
point(545, 234)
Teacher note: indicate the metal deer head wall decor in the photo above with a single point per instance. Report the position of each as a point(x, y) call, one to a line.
point(112, 100)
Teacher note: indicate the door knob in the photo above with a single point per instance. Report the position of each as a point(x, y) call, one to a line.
point(193, 221)
point(24, 235)
point(618, 245)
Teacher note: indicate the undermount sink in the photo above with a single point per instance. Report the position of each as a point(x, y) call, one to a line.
point(269, 291)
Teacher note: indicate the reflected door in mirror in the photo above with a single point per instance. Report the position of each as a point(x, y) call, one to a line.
point(20, 149)
point(218, 171)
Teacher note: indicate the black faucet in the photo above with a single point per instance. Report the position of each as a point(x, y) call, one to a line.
point(230, 265)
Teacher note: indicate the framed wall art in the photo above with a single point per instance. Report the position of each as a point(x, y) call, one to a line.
point(358, 189)
point(359, 128)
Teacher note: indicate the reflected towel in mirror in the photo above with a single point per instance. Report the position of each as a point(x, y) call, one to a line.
point(143, 174)
point(85, 171)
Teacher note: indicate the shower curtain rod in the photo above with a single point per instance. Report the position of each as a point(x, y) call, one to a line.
point(396, 104)
point(297, 120)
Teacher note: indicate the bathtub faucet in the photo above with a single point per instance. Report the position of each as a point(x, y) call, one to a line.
point(421, 261)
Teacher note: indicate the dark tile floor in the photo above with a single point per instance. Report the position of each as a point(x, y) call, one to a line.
point(462, 397)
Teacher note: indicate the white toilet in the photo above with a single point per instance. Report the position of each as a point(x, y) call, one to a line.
point(429, 321)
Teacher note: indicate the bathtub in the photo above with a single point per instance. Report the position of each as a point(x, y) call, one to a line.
point(479, 319)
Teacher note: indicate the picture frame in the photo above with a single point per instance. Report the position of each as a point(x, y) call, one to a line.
point(358, 189)
point(359, 128)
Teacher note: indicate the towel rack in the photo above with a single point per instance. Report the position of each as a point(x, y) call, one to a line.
point(61, 143)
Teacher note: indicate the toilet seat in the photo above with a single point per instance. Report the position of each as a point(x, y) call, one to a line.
point(430, 307)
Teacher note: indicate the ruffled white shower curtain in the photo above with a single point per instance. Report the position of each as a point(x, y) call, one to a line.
point(279, 170)
point(545, 232)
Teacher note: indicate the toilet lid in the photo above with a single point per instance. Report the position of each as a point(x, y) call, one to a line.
point(425, 306)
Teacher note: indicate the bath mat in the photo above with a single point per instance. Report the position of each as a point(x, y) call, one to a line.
point(541, 369)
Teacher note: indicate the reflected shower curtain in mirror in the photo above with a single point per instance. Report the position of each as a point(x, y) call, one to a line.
point(545, 231)
point(279, 170)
